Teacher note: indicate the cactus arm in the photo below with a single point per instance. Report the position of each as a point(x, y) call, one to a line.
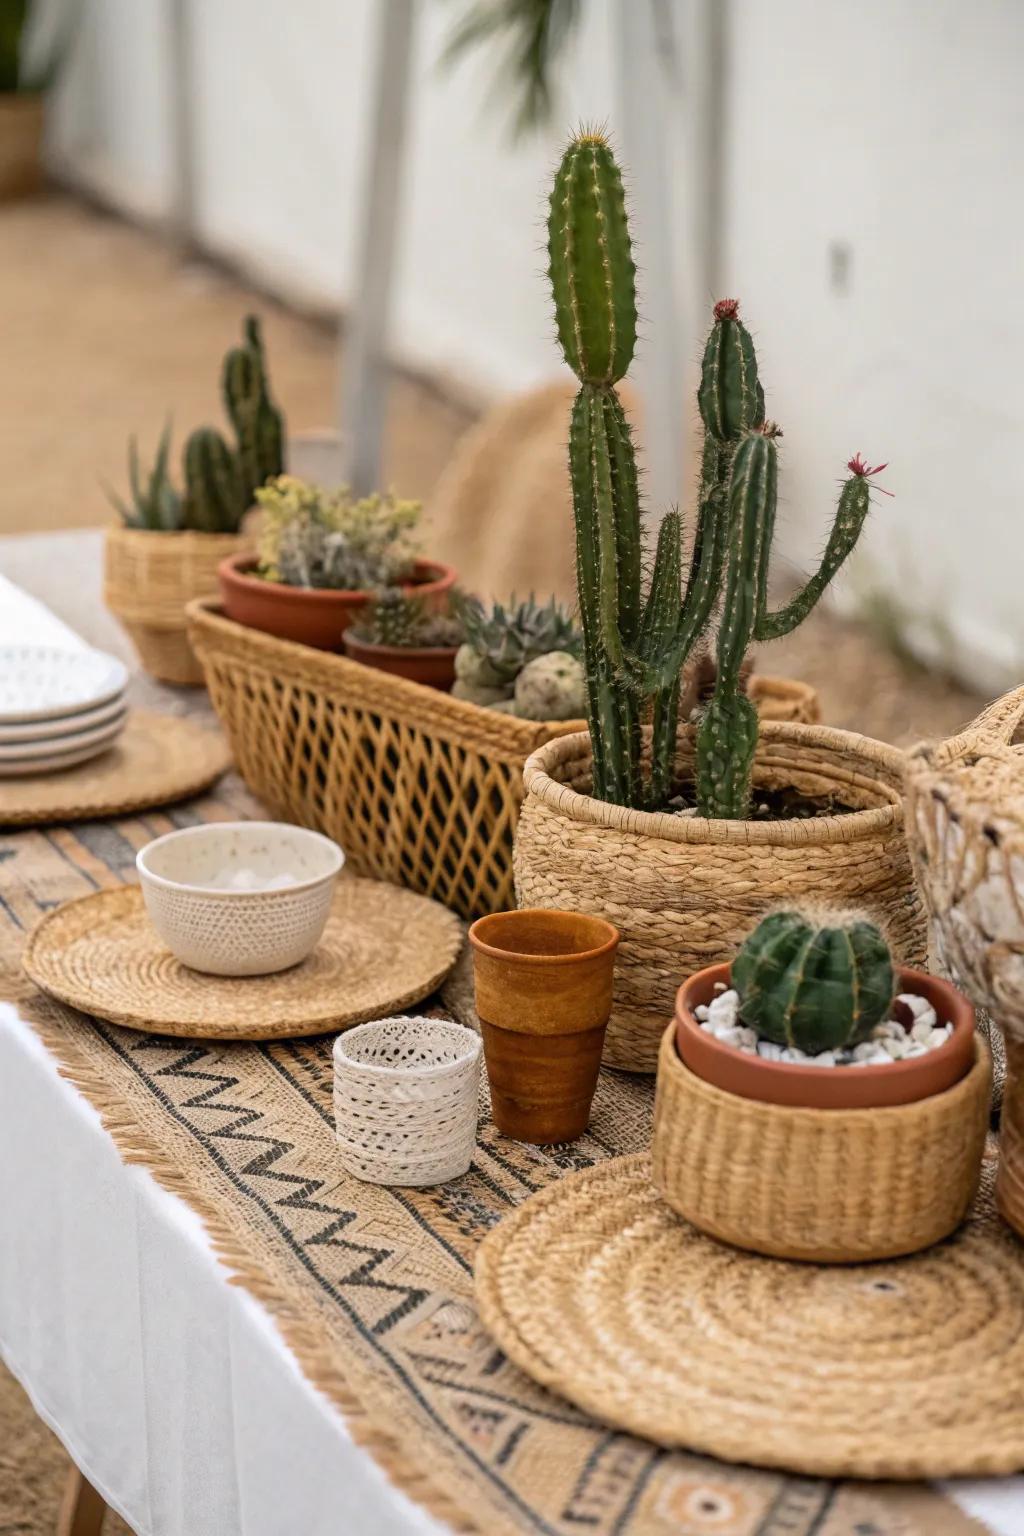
point(730, 397)
point(854, 504)
point(659, 616)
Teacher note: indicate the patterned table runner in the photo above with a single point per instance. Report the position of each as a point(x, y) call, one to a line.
point(372, 1288)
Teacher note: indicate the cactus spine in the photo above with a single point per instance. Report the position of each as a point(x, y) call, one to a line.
point(593, 283)
point(259, 426)
point(818, 986)
point(216, 499)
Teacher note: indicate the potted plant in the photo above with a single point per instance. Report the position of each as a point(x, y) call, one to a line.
point(27, 69)
point(169, 543)
point(322, 555)
point(815, 1101)
point(400, 635)
point(683, 835)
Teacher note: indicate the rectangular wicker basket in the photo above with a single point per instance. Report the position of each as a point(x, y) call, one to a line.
point(418, 788)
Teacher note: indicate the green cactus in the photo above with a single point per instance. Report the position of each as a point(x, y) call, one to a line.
point(728, 730)
point(258, 424)
point(215, 494)
point(814, 985)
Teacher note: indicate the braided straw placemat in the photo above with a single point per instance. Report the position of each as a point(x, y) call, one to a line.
point(157, 760)
point(909, 1368)
point(382, 949)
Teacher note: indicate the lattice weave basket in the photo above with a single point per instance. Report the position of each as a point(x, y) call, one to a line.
point(148, 580)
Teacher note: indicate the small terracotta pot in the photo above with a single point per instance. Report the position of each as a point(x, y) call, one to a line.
point(21, 133)
point(543, 995)
point(431, 665)
point(312, 615)
point(784, 1082)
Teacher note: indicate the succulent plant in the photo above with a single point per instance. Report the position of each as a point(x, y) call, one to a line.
point(215, 496)
point(502, 639)
point(551, 687)
point(325, 539)
point(401, 619)
point(818, 984)
point(154, 504)
point(258, 424)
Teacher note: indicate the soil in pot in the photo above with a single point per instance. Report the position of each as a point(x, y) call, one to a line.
point(785, 804)
point(888, 1069)
point(431, 665)
point(312, 616)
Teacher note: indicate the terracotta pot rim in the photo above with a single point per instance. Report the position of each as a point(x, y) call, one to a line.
point(558, 913)
point(236, 568)
point(768, 1076)
point(413, 652)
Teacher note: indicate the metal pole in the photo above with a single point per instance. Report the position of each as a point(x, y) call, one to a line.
point(363, 371)
point(663, 349)
point(181, 217)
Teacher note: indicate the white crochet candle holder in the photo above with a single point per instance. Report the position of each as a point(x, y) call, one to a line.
point(405, 1100)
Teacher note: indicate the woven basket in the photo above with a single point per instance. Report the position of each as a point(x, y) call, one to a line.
point(965, 825)
point(148, 579)
point(684, 892)
point(405, 1100)
point(834, 1186)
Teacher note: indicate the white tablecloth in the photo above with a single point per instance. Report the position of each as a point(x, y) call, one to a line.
point(171, 1388)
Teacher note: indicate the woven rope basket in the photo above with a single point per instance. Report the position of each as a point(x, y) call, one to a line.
point(965, 825)
point(835, 1186)
point(405, 1100)
point(148, 580)
point(684, 892)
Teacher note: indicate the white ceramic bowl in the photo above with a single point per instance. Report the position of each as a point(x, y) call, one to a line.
point(197, 886)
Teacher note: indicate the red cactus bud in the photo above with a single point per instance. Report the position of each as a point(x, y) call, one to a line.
point(727, 309)
point(857, 466)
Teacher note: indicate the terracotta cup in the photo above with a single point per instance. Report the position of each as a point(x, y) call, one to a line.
point(543, 995)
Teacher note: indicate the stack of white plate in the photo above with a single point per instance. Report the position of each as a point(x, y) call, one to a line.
point(57, 707)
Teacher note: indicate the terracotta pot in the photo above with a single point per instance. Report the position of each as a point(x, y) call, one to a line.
point(21, 133)
point(543, 995)
point(1010, 1178)
point(785, 1082)
point(431, 665)
point(312, 616)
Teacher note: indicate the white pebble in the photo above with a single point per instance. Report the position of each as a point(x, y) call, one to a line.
point(937, 1037)
point(823, 1059)
point(724, 1009)
point(768, 1050)
point(748, 1038)
point(728, 1034)
point(921, 1030)
point(918, 1005)
point(793, 1053)
point(700, 1013)
point(720, 986)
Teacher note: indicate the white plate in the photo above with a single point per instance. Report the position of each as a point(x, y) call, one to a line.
point(30, 752)
point(45, 731)
point(53, 762)
point(43, 682)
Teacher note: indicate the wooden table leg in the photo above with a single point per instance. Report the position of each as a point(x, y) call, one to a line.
point(81, 1509)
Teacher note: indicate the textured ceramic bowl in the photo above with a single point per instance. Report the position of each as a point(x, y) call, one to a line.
point(210, 923)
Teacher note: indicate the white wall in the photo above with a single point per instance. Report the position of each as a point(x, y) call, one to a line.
point(888, 130)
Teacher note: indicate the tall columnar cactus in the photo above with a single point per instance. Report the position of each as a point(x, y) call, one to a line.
point(258, 424)
point(728, 730)
point(816, 985)
point(215, 495)
point(593, 282)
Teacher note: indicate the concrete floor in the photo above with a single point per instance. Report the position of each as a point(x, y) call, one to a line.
point(106, 333)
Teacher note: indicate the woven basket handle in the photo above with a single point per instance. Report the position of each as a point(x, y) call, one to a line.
point(994, 727)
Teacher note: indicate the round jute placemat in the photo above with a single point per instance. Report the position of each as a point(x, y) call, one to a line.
point(905, 1369)
point(382, 949)
point(156, 760)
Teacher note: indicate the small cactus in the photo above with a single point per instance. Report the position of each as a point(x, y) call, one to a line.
point(504, 638)
point(258, 424)
point(215, 498)
point(552, 687)
point(814, 985)
point(155, 505)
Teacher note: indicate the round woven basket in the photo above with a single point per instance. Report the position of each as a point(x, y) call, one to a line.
point(684, 891)
point(405, 1100)
point(835, 1186)
point(785, 698)
point(965, 826)
point(149, 577)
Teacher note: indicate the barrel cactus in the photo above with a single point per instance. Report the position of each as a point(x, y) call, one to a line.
point(551, 687)
point(817, 984)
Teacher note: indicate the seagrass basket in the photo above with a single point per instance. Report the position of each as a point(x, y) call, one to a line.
point(965, 826)
point(148, 579)
point(836, 1186)
point(684, 891)
point(418, 788)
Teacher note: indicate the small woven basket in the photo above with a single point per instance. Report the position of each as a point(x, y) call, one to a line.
point(405, 1100)
point(965, 826)
point(149, 577)
point(834, 1186)
point(684, 891)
